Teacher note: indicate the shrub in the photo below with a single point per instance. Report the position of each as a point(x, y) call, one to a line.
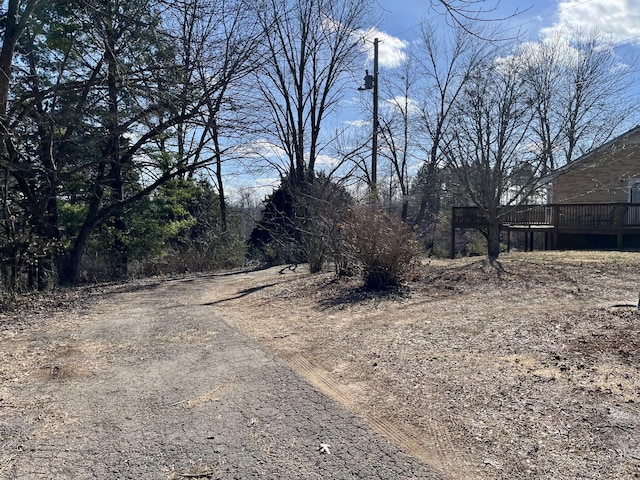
point(323, 205)
point(385, 250)
point(275, 239)
point(300, 224)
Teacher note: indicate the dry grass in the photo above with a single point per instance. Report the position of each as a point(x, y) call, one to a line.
point(526, 370)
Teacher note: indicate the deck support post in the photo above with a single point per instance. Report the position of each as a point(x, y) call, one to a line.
point(620, 211)
point(531, 241)
point(453, 233)
point(556, 222)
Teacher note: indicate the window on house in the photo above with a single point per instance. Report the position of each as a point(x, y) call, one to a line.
point(633, 190)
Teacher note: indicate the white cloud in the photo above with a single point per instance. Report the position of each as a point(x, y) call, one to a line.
point(400, 102)
point(618, 18)
point(391, 50)
point(326, 161)
point(251, 188)
point(358, 123)
point(261, 149)
point(557, 46)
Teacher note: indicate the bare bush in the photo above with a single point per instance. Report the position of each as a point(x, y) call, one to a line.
point(383, 247)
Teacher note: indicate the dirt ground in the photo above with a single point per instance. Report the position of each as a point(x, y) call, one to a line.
point(529, 369)
point(149, 383)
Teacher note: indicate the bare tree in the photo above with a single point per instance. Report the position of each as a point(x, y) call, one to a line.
point(489, 147)
point(468, 14)
point(217, 44)
point(581, 91)
point(309, 46)
point(447, 60)
point(352, 148)
point(397, 129)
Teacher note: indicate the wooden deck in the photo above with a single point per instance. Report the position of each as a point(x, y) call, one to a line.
point(617, 219)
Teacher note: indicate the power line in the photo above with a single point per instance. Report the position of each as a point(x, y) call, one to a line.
point(626, 41)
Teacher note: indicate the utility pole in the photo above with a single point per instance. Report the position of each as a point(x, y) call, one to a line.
point(371, 83)
point(374, 150)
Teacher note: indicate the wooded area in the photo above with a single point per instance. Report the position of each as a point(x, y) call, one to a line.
point(123, 121)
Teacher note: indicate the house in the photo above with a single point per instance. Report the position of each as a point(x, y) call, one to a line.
point(592, 203)
point(608, 174)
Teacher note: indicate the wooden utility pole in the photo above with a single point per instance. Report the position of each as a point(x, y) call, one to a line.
point(371, 83)
point(374, 147)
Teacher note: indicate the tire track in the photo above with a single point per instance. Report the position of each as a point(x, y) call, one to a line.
point(434, 449)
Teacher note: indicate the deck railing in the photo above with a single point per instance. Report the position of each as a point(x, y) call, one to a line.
point(578, 216)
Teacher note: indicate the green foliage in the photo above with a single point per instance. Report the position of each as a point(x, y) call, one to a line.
point(175, 230)
point(70, 218)
point(300, 224)
point(276, 239)
point(385, 250)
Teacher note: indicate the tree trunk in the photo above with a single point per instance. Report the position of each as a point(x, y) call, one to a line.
point(14, 25)
point(493, 242)
point(219, 178)
point(405, 208)
point(120, 258)
point(71, 263)
point(223, 202)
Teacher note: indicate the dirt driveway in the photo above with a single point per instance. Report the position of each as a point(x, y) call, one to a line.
point(527, 371)
point(152, 384)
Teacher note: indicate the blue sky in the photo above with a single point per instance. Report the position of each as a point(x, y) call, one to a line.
point(400, 19)
point(618, 18)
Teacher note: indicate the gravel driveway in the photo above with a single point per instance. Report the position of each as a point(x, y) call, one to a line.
point(151, 385)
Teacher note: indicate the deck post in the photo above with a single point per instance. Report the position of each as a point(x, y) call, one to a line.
point(508, 239)
point(620, 211)
point(556, 221)
point(453, 233)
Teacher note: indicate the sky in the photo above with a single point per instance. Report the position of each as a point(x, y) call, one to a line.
point(532, 20)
